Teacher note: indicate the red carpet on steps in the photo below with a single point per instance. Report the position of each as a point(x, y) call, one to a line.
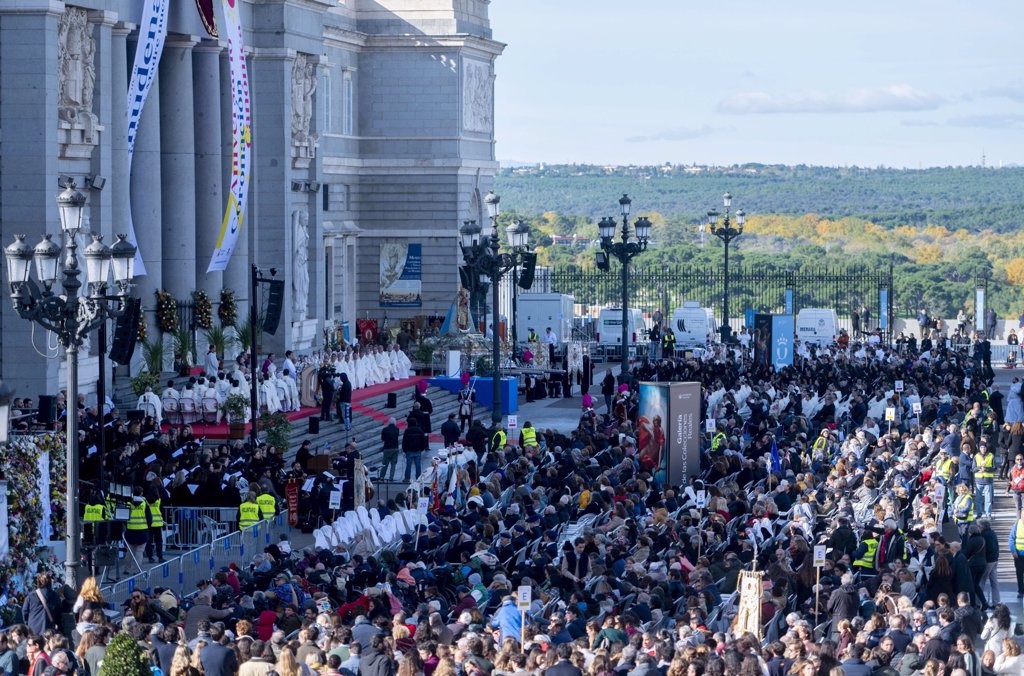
point(211, 431)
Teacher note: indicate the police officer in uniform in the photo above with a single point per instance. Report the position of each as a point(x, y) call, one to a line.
point(137, 531)
point(248, 512)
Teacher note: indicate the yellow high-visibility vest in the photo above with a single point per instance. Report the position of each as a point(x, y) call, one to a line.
point(248, 515)
point(984, 466)
point(717, 441)
point(93, 513)
point(868, 560)
point(946, 469)
point(137, 517)
point(1019, 540)
point(963, 502)
point(155, 515)
point(268, 505)
point(528, 437)
point(498, 440)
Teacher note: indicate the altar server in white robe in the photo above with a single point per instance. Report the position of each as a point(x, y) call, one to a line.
point(383, 364)
point(268, 395)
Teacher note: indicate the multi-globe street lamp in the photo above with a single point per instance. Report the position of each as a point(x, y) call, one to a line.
point(624, 250)
point(727, 233)
point(70, 316)
point(518, 238)
point(481, 252)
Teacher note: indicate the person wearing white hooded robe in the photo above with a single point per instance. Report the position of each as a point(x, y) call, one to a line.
point(268, 394)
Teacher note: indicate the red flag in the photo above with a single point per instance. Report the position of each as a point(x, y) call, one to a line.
point(205, 8)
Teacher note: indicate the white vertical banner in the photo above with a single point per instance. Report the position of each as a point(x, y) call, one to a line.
point(979, 309)
point(152, 33)
point(45, 525)
point(241, 145)
point(5, 541)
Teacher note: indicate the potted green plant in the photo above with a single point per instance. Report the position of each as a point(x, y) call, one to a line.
point(124, 657)
point(153, 355)
point(183, 351)
point(220, 339)
point(277, 428)
point(234, 408)
point(143, 380)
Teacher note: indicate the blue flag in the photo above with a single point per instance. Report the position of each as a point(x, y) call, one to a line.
point(776, 463)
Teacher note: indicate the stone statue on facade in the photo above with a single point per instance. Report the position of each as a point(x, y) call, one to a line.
point(76, 63)
point(300, 264)
point(303, 89)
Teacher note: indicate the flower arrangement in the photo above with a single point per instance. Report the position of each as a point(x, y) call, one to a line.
point(227, 311)
point(19, 465)
point(142, 331)
point(166, 312)
point(54, 444)
point(203, 309)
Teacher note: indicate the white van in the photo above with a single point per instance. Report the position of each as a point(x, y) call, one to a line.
point(609, 327)
point(692, 325)
point(817, 325)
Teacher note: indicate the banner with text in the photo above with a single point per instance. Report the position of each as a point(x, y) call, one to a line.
point(152, 33)
point(401, 266)
point(684, 432)
point(5, 544)
point(241, 142)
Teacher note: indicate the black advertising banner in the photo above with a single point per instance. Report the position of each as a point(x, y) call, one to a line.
point(762, 340)
point(684, 432)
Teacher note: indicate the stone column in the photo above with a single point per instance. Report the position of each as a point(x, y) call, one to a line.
point(209, 185)
point(147, 198)
point(28, 169)
point(178, 167)
point(110, 88)
point(119, 183)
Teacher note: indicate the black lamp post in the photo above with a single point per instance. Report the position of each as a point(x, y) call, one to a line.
point(70, 316)
point(480, 250)
point(518, 236)
point(727, 233)
point(624, 250)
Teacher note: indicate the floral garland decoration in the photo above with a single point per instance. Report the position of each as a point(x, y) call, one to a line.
point(227, 311)
point(54, 444)
point(19, 465)
point(142, 331)
point(166, 312)
point(203, 309)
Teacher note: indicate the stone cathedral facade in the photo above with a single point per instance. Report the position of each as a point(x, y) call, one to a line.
point(372, 136)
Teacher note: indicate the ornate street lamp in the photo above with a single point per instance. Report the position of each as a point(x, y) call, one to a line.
point(70, 316)
point(624, 250)
point(481, 251)
point(727, 233)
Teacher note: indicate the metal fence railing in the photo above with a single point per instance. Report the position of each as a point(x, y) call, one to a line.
point(196, 526)
point(182, 573)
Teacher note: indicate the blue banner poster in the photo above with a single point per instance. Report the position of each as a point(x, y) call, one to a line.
point(782, 341)
point(883, 309)
point(401, 266)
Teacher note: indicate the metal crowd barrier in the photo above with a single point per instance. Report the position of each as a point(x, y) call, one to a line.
point(192, 527)
point(182, 573)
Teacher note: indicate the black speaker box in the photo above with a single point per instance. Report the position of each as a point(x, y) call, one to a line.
point(314, 425)
point(47, 410)
point(136, 414)
point(126, 332)
point(275, 300)
point(392, 400)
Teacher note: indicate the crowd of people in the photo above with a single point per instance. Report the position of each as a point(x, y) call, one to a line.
point(891, 458)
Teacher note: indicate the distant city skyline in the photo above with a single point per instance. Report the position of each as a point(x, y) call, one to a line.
point(908, 84)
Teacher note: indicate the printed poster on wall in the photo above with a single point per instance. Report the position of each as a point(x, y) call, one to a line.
point(401, 265)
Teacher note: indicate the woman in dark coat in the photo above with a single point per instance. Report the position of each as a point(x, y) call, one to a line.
point(940, 581)
point(42, 607)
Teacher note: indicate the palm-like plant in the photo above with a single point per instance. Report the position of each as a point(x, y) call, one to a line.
point(153, 355)
point(220, 339)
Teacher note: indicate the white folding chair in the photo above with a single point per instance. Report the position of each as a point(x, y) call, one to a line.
point(211, 407)
point(172, 413)
point(187, 408)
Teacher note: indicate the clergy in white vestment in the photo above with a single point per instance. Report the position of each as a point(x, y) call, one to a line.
point(359, 369)
point(404, 365)
point(222, 388)
point(269, 396)
point(239, 387)
point(151, 404)
point(384, 364)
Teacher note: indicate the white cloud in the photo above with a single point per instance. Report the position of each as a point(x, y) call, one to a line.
point(1012, 92)
point(865, 100)
point(678, 134)
point(994, 121)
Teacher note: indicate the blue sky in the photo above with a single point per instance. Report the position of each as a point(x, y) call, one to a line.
point(902, 83)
